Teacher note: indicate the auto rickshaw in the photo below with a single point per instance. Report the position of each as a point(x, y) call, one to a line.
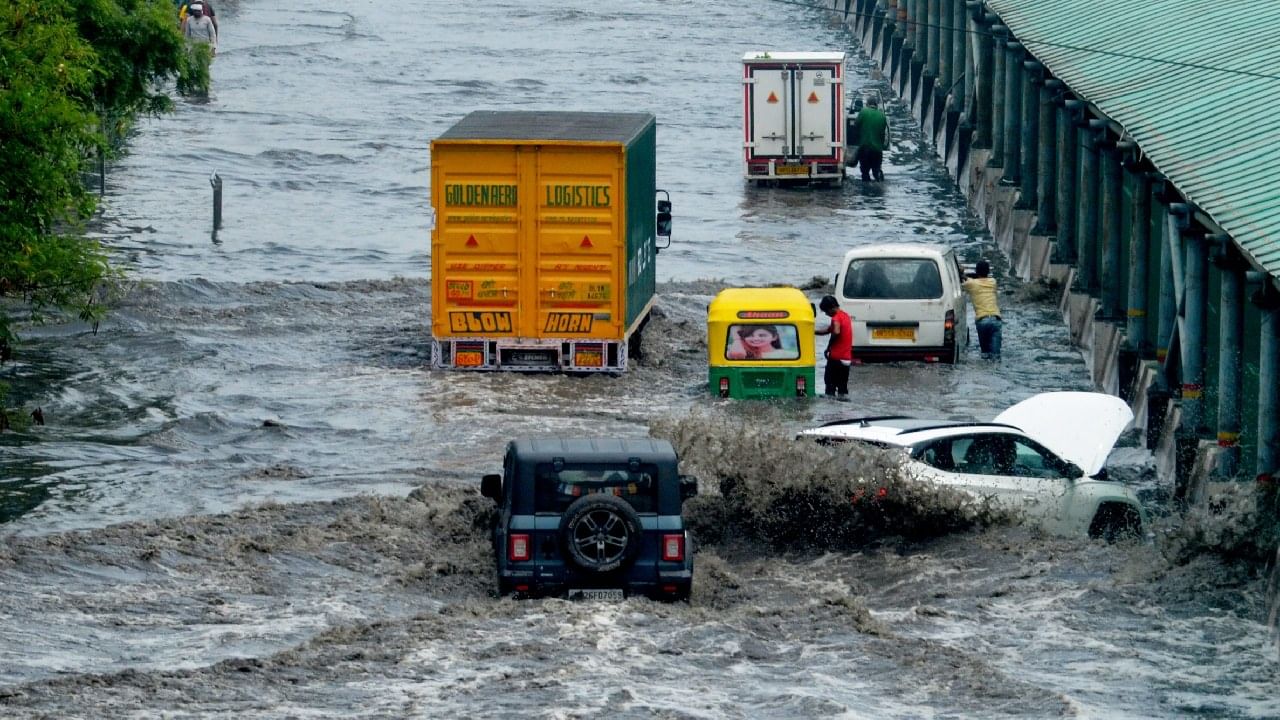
point(760, 343)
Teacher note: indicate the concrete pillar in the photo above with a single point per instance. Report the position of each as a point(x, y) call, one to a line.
point(1139, 252)
point(1230, 357)
point(1012, 112)
point(1087, 236)
point(1268, 301)
point(1112, 195)
point(1068, 179)
point(999, 35)
point(983, 78)
point(1047, 163)
point(1030, 152)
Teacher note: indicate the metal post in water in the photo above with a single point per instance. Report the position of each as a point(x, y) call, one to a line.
point(1112, 195)
point(1047, 163)
point(999, 35)
point(216, 182)
point(1230, 356)
point(1030, 152)
point(1012, 112)
point(1268, 301)
point(1139, 252)
point(1087, 200)
point(1068, 178)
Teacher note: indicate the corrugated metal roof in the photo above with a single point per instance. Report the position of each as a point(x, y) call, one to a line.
point(1194, 82)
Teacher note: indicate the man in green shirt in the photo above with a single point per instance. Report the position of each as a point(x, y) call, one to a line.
point(871, 130)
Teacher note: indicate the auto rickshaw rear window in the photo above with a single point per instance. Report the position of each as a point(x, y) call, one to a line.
point(762, 341)
point(556, 490)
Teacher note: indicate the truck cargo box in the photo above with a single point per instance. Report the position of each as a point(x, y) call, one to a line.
point(794, 116)
point(544, 242)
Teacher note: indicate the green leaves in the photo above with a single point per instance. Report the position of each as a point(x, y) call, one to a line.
point(71, 73)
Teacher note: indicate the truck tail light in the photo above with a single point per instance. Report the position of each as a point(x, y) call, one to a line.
point(802, 387)
point(724, 387)
point(673, 547)
point(518, 547)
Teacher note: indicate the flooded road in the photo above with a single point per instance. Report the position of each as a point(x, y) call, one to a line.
point(253, 497)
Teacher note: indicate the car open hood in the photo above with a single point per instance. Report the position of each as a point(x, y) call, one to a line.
point(1081, 427)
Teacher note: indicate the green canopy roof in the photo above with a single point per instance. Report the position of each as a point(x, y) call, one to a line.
point(1196, 83)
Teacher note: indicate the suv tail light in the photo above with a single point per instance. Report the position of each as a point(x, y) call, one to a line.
point(518, 547)
point(673, 547)
point(802, 388)
point(724, 387)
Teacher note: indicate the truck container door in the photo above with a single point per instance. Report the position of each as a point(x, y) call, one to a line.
point(770, 111)
point(817, 100)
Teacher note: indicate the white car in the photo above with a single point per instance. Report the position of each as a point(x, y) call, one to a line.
point(905, 301)
point(1043, 457)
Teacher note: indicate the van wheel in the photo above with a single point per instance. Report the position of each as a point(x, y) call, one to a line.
point(953, 357)
point(600, 533)
point(1116, 521)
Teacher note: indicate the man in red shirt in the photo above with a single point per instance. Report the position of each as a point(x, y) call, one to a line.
point(839, 352)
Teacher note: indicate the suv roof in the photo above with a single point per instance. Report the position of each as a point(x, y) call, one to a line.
point(585, 450)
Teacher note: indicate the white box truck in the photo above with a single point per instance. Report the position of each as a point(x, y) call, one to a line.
point(794, 125)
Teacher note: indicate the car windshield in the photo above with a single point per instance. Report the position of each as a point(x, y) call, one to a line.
point(556, 489)
point(893, 279)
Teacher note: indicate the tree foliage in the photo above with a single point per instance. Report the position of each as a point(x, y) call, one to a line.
point(73, 74)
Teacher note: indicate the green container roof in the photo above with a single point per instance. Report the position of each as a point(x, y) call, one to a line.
point(1193, 82)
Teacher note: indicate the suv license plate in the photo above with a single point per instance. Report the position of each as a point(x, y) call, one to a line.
point(596, 594)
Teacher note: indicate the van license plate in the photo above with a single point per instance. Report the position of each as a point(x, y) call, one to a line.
point(596, 594)
point(893, 333)
point(791, 169)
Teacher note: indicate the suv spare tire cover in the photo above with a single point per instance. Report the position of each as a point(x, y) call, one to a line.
point(600, 533)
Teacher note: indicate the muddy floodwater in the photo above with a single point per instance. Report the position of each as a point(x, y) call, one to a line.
point(252, 498)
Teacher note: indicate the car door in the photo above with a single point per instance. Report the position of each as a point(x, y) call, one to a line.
point(1008, 469)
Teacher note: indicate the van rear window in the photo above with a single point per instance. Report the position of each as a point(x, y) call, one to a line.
point(892, 279)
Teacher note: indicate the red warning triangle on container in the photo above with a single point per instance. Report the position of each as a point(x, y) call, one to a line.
point(472, 242)
point(813, 97)
point(586, 242)
point(773, 98)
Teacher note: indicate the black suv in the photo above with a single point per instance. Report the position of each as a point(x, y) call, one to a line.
point(591, 518)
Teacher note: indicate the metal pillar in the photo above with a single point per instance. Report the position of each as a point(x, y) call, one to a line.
point(999, 33)
point(1230, 357)
point(1047, 162)
point(1139, 251)
point(1087, 201)
point(961, 78)
point(946, 74)
point(982, 76)
point(1195, 311)
point(1012, 112)
point(1268, 301)
point(1112, 195)
point(1068, 179)
point(1030, 152)
point(920, 15)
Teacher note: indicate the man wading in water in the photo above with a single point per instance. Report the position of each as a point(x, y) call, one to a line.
point(199, 28)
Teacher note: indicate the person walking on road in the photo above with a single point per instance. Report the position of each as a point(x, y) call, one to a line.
point(198, 28)
point(871, 129)
point(981, 288)
point(839, 351)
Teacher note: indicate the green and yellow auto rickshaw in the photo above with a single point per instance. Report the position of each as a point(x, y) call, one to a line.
point(760, 343)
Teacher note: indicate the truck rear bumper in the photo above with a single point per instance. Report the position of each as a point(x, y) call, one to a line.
point(549, 355)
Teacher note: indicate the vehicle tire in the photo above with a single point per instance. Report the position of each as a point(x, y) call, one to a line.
point(1116, 521)
point(953, 357)
point(600, 533)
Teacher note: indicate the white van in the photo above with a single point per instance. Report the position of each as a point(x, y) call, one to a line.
point(905, 301)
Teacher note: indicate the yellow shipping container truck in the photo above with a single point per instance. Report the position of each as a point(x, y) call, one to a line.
point(545, 240)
